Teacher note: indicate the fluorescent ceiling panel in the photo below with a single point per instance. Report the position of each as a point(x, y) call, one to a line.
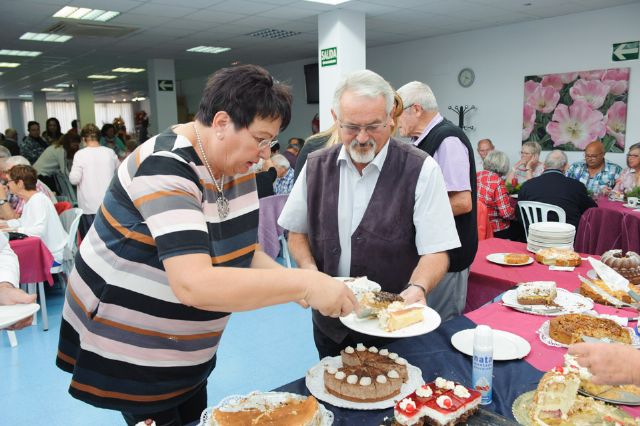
point(85, 14)
point(208, 49)
point(9, 52)
point(48, 37)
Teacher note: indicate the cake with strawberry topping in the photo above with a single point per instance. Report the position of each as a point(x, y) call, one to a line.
point(441, 403)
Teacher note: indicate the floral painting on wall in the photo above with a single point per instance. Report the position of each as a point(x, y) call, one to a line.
point(568, 111)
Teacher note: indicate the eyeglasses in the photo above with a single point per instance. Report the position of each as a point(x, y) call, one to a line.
point(526, 153)
point(407, 107)
point(633, 155)
point(592, 155)
point(353, 130)
point(6, 182)
point(267, 143)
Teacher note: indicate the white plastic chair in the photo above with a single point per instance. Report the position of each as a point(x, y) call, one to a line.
point(70, 222)
point(530, 211)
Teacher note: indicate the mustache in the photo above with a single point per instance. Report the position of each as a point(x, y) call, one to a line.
point(369, 143)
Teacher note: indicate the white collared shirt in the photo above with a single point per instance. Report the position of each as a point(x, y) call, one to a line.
point(432, 216)
point(9, 266)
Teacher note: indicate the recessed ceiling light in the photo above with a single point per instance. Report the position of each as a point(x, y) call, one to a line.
point(273, 33)
point(208, 49)
point(9, 64)
point(8, 52)
point(53, 38)
point(51, 89)
point(140, 98)
point(102, 77)
point(1, 73)
point(24, 96)
point(125, 69)
point(113, 101)
point(331, 2)
point(64, 85)
point(85, 14)
point(234, 63)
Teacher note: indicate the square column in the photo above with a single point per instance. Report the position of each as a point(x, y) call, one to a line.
point(40, 109)
point(162, 94)
point(16, 117)
point(85, 103)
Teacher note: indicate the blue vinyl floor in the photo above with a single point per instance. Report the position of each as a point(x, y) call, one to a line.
point(260, 350)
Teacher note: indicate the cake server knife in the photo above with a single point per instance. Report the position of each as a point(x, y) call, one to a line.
point(606, 296)
point(613, 278)
point(534, 310)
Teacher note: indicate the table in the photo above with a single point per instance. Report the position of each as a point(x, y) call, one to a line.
point(35, 268)
point(487, 280)
point(608, 226)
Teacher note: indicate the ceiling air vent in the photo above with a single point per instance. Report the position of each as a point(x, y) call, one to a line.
point(272, 33)
point(84, 29)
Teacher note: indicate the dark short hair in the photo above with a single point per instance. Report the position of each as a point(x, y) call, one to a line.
point(275, 148)
point(67, 139)
point(27, 174)
point(245, 92)
point(90, 131)
point(106, 127)
point(54, 120)
point(74, 123)
point(31, 123)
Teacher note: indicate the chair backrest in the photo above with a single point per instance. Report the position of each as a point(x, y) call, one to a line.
point(484, 224)
point(67, 218)
point(534, 211)
point(71, 247)
point(62, 206)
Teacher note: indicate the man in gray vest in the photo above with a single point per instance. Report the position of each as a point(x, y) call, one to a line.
point(453, 152)
point(369, 206)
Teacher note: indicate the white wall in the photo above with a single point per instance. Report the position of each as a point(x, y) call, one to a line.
point(290, 73)
point(502, 56)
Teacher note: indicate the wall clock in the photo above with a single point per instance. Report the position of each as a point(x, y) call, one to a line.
point(466, 77)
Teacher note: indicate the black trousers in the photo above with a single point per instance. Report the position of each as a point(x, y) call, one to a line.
point(327, 347)
point(187, 412)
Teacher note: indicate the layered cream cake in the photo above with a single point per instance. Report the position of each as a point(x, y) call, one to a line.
point(372, 302)
point(536, 293)
point(259, 411)
point(366, 375)
point(397, 316)
point(440, 403)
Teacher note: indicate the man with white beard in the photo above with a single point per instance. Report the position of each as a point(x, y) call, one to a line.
point(369, 206)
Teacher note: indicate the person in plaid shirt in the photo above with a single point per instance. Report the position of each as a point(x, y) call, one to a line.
point(595, 172)
point(493, 192)
point(285, 180)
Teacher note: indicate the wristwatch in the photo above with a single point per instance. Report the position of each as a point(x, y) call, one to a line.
point(2, 202)
point(424, 291)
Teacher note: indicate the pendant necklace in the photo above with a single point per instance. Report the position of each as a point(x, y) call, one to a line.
point(221, 202)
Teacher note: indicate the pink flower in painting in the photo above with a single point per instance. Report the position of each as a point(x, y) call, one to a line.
point(528, 120)
point(529, 87)
point(568, 77)
point(552, 80)
point(578, 124)
point(544, 99)
point(617, 122)
point(617, 79)
point(591, 75)
point(593, 92)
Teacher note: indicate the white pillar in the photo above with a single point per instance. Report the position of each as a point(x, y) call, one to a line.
point(85, 105)
point(16, 117)
point(162, 94)
point(343, 30)
point(40, 109)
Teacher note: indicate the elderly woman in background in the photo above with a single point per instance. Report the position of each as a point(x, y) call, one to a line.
point(284, 181)
point(111, 140)
point(92, 170)
point(529, 165)
point(173, 251)
point(54, 165)
point(493, 193)
point(39, 217)
point(53, 131)
point(630, 177)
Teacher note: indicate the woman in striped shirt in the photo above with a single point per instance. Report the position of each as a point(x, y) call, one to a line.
point(173, 251)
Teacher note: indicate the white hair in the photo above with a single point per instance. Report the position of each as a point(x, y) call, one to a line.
point(4, 152)
point(417, 93)
point(16, 160)
point(556, 160)
point(280, 160)
point(497, 162)
point(364, 83)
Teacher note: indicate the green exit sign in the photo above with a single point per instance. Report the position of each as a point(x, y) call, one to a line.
point(625, 51)
point(329, 56)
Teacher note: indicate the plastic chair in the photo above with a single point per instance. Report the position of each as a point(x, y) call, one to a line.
point(534, 211)
point(62, 206)
point(270, 234)
point(70, 221)
point(484, 224)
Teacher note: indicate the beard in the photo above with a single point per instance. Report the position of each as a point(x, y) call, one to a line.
point(359, 156)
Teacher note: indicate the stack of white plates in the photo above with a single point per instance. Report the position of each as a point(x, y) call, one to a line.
point(550, 234)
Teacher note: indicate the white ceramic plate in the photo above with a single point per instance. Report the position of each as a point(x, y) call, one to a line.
point(545, 337)
point(11, 314)
point(315, 383)
point(506, 345)
point(371, 327)
point(499, 259)
point(360, 286)
point(552, 227)
point(631, 206)
point(571, 303)
point(257, 399)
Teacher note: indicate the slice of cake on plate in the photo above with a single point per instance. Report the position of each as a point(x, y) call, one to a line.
point(397, 316)
point(516, 258)
point(268, 408)
point(536, 293)
point(372, 302)
point(558, 257)
point(439, 403)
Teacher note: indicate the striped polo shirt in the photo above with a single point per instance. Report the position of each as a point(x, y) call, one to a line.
point(129, 343)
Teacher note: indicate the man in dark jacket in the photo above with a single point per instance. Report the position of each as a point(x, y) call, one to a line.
point(553, 187)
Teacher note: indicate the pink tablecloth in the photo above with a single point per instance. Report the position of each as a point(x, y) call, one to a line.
point(542, 357)
point(609, 226)
point(487, 280)
point(35, 260)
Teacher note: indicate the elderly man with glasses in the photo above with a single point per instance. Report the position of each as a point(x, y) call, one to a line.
point(596, 173)
point(369, 206)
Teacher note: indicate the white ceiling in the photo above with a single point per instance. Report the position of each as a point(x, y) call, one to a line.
point(166, 28)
